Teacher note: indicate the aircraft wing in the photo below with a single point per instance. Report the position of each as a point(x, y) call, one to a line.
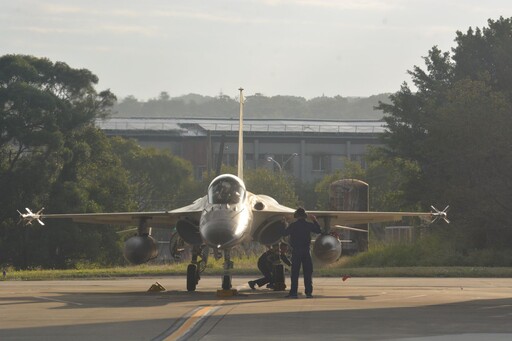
point(269, 207)
point(264, 206)
point(363, 217)
point(166, 218)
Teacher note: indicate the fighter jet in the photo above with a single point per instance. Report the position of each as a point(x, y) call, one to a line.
point(227, 216)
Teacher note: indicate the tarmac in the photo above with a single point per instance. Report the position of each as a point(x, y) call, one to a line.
point(355, 309)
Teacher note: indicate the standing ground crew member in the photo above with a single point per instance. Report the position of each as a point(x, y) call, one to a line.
point(266, 264)
point(300, 240)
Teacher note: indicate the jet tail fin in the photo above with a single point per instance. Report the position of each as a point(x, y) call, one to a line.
point(241, 137)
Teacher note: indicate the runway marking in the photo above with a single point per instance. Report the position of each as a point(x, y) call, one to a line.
point(496, 306)
point(393, 298)
point(417, 296)
point(189, 324)
point(56, 300)
point(501, 316)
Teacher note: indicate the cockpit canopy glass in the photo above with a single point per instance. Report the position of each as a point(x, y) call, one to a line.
point(225, 191)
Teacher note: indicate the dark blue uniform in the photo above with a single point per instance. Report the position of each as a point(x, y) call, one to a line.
point(300, 240)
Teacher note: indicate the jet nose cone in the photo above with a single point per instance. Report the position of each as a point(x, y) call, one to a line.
point(218, 234)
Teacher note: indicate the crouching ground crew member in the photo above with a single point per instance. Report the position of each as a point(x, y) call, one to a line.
point(266, 264)
point(300, 240)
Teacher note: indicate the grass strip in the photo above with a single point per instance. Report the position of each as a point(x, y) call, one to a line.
point(244, 269)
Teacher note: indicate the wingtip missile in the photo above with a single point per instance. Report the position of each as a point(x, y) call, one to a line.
point(437, 214)
point(29, 217)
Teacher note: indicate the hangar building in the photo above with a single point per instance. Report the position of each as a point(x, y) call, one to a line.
point(306, 149)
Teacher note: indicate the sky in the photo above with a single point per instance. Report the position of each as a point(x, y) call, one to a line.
point(305, 48)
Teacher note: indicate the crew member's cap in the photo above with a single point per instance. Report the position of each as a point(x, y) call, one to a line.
point(300, 213)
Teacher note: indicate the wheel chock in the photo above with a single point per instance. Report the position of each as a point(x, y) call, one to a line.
point(227, 293)
point(157, 287)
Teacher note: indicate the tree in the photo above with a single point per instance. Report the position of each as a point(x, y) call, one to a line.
point(484, 54)
point(384, 175)
point(159, 179)
point(91, 180)
point(275, 184)
point(256, 106)
point(351, 170)
point(41, 103)
point(51, 154)
point(456, 129)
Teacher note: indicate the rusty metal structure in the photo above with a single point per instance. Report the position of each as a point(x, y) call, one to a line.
point(351, 195)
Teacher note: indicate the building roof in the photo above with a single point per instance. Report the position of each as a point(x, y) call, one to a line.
point(199, 126)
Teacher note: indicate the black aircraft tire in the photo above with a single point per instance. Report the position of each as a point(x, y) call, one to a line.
point(226, 282)
point(192, 279)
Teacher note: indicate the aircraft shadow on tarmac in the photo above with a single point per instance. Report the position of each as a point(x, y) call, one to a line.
point(86, 300)
point(467, 317)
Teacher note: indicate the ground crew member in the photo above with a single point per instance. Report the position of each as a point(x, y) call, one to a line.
point(300, 240)
point(266, 264)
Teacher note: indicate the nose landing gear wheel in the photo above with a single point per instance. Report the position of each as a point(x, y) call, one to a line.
point(226, 282)
point(192, 277)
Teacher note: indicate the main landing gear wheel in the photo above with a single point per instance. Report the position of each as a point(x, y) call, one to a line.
point(226, 282)
point(192, 277)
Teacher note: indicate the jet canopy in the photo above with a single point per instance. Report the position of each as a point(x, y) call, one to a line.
point(226, 189)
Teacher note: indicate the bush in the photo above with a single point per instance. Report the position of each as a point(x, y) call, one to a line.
point(431, 250)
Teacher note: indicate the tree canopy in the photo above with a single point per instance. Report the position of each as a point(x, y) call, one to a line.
point(256, 106)
point(53, 155)
point(456, 128)
point(159, 180)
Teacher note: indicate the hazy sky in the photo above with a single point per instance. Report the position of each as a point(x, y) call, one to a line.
point(275, 47)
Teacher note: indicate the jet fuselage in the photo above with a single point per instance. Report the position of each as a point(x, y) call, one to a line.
point(226, 220)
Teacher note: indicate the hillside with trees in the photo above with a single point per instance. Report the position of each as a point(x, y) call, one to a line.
point(256, 106)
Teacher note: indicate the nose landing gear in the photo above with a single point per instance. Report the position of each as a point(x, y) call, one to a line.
point(227, 289)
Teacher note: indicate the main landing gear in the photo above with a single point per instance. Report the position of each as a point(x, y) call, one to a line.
point(196, 266)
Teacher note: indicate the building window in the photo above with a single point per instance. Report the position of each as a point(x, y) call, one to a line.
point(227, 159)
point(320, 163)
point(199, 172)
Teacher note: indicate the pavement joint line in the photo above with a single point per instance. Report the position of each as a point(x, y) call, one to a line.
point(502, 316)
point(496, 307)
point(56, 300)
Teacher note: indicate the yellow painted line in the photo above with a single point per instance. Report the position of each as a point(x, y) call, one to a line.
point(189, 323)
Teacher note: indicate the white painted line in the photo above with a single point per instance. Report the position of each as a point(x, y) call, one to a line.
point(417, 296)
